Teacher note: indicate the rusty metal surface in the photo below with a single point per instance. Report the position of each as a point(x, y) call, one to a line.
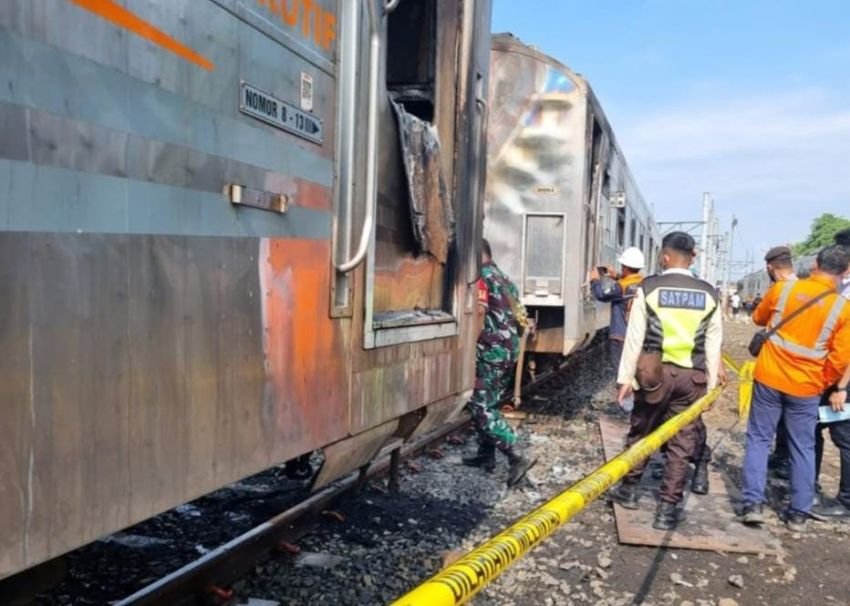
point(431, 212)
point(352, 453)
point(158, 343)
point(136, 355)
point(711, 524)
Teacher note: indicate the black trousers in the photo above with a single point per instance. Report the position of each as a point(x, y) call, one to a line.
point(615, 352)
point(840, 435)
point(681, 388)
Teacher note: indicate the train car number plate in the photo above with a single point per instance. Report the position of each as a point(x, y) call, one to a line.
point(276, 112)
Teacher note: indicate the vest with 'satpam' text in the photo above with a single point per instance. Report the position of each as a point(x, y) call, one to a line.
point(679, 309)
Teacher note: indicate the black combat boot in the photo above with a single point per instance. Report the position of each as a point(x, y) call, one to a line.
point(699, 483)
point(519, 467)
point(627, 495)
point(485, 459)
point(668, 516)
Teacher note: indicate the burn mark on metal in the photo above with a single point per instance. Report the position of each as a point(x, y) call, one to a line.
point(431, 208)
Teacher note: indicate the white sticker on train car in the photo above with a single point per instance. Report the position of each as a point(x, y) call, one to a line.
point(306, 92)
point(279, 113)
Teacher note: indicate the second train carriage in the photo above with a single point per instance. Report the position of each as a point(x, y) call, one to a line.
point(559, 196)
point(187, 190)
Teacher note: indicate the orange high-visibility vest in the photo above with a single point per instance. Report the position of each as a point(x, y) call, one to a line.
point(810, 352)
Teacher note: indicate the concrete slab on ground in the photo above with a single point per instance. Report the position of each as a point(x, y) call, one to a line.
point(711, 523)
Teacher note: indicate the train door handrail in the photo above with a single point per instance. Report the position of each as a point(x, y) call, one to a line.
point(375, 33)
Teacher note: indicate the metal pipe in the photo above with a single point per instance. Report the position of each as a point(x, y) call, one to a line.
point(459, 582)
point(347, 127)
point(375, 32)
point(481, 182)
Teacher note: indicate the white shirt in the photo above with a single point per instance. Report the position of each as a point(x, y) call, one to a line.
point(736, 300)
point(636, 333)
point(845, 287)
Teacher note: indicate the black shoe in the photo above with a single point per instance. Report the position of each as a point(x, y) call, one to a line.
point(627, 495)
point(485, 459)
point(668, 516)
point(833, 510)
point(796, 521)
point(753, 514)
point(781, 468)
point(519, 467)
point(699, 483)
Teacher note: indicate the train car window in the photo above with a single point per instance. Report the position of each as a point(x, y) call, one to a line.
point(621, 228)
point(411, 56)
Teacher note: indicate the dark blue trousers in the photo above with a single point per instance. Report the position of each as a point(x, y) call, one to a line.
point(801, 418)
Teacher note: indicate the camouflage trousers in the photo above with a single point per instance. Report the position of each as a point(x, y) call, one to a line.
point(492, 380)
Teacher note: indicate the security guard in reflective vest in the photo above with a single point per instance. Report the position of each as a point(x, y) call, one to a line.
point(671, 357)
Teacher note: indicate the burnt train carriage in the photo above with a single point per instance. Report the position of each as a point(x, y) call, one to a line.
point(560, 198)
point(187, 191)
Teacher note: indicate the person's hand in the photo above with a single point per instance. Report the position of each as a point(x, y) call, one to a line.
point(612, 273)
point(624, 393)
point(722, 375)
point(837, 400)
point(593, 275)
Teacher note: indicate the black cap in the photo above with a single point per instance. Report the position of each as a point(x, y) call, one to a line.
point(777, 252)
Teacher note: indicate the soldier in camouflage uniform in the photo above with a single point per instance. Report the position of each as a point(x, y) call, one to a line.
point(496, 358)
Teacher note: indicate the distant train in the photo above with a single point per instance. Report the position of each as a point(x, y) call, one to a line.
point(234, 234)
point(757, 283)
point(560, 197)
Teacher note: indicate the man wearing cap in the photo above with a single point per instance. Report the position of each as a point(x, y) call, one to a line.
point(807, 353)
point(672, 354)
point(619, 294)
point(780, 268)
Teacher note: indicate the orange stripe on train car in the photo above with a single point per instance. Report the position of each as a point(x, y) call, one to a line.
point(120, 16)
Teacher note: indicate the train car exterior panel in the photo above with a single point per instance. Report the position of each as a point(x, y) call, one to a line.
point(163, 341)
point(560, 197)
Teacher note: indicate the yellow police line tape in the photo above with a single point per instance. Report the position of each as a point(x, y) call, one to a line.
point(745, 384)
point(459, 582)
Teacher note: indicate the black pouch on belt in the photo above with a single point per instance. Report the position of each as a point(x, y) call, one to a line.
point(757, 342)
point(650, 375)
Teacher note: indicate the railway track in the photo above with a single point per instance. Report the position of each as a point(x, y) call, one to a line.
point(210, 575)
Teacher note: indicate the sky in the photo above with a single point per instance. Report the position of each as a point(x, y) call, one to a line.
point(746, 99)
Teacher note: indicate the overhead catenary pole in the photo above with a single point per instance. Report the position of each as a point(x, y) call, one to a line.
point(729, 258)
point(706, 227)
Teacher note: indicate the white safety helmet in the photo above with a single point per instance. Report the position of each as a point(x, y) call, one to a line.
point(632, 257)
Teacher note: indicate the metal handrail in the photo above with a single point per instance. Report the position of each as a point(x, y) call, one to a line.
point(390, 6)
point(375, 22)
point(480, 174)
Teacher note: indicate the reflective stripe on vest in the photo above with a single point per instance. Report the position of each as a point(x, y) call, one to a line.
point(820, 350)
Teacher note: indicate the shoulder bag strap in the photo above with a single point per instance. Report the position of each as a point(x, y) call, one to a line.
point(797, 312)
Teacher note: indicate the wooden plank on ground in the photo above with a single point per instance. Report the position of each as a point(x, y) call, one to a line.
point(711, 524)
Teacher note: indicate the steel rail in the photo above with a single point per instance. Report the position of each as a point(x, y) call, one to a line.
point(227, 562)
